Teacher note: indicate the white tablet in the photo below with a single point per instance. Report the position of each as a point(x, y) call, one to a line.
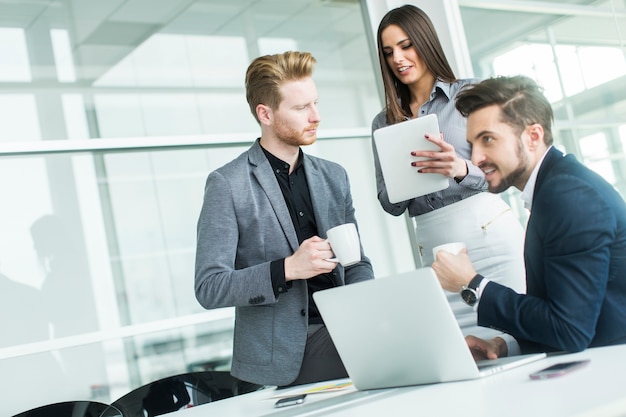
point(394, 144)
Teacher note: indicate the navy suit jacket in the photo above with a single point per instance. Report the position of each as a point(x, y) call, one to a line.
point(575, 255)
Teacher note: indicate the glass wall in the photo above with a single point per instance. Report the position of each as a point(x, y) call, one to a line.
point(112, 114)
point(577, 51)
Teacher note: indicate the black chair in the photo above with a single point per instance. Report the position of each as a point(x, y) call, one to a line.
point(179, 391)
point(73, 409)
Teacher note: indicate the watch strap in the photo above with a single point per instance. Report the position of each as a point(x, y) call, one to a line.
point(475, 282)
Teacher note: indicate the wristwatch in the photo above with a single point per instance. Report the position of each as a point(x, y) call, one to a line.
point(469, 293)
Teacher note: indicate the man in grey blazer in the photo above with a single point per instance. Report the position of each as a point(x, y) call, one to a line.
point(261, 245)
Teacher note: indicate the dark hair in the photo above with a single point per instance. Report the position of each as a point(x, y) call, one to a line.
point(520, 98)
point(423, 36)
point(267, 73)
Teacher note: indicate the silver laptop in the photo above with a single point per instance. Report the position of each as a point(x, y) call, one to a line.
point(394, 144)
point(399, 331)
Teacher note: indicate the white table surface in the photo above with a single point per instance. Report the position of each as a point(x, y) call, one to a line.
point(597, 390)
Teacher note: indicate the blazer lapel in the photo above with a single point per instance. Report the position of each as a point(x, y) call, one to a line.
point(319, 198)
point(551, 158)
point(262, 171)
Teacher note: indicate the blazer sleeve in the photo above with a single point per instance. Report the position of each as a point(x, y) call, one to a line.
point(332, 201)
point(362, 270)
point(567, 253)
point(219, 282)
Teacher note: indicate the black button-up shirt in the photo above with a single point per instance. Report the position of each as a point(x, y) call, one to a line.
point(295, 189)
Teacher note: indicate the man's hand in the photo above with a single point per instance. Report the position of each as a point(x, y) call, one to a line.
point(486, 349)
point(453, 271)
point(309, 260)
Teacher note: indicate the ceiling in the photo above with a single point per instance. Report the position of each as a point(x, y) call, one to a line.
point(103, 32)
point(527, 21)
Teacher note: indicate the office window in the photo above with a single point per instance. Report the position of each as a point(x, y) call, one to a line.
point(19, 118)
point(64, 61)
point(575, 50)
point(582, 68)
point(14, 63)
point(101, 243)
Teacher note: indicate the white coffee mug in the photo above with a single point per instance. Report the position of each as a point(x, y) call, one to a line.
point(345, 244)
point(453, 248)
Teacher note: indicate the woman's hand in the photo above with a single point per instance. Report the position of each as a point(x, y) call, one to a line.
point(444, 162)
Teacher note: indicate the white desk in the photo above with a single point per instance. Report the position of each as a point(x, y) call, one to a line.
point(596, 390)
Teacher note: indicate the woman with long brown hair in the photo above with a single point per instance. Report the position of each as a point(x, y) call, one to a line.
point(418, 80)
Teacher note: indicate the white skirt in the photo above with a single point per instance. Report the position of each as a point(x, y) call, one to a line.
point(494, 238)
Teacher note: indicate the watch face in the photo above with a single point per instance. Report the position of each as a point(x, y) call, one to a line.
point(469, 296)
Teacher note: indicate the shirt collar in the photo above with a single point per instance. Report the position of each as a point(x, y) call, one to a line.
point(278, 165)
point(529, 188)
point(443, 86)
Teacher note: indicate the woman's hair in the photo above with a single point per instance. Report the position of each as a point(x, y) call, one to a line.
point(423, 37)
point(520, 98)
point(267, 73)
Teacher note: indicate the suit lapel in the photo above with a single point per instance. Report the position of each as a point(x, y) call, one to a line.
point(319, 198)
point(549, 161)
point(262, 171)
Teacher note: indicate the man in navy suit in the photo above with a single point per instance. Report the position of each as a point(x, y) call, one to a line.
point(575, 247)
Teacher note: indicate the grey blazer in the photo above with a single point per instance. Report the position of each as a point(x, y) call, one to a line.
point(243, 226)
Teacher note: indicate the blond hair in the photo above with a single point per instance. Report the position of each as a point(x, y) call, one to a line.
point(267, 73)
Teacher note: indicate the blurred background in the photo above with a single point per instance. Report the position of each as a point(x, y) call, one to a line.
point(112, 114)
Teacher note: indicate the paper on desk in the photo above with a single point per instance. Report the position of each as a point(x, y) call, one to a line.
point(317, 389)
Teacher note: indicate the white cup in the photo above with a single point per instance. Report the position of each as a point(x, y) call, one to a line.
point(344, 241)
point(453, 248)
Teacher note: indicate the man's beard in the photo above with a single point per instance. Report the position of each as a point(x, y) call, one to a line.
point(291, 136)
point(510, 180)
point(514, 177)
